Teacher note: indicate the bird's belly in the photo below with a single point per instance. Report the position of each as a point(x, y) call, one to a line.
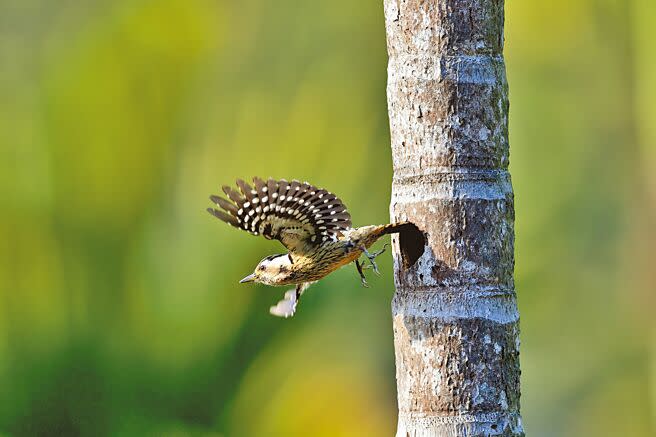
point(337, 263)
point(318, 270)
point(348, 258)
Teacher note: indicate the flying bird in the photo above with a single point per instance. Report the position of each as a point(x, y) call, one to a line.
point(312, 223)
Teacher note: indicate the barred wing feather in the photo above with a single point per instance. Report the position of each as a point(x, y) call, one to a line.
point(295, 213)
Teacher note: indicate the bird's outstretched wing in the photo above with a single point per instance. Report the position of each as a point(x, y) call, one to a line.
point(295, 213)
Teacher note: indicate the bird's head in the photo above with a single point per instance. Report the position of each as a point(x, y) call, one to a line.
point(272, 270)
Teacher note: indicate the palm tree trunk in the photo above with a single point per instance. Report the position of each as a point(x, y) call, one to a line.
point(456, 324)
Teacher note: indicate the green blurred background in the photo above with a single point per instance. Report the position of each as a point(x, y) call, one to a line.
point(120, 312)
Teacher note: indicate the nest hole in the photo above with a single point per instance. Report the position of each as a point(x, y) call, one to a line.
point(412, 242)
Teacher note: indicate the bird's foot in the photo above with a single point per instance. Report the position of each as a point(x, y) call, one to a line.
point(375, 254)
point(372, 257)
point(362, 278)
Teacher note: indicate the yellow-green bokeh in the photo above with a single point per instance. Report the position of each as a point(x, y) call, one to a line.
point(120, 312)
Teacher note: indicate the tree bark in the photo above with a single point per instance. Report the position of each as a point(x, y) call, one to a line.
point(456, 324)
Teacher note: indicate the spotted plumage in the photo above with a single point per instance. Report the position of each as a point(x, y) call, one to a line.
point(312, 223)
point(298, 214)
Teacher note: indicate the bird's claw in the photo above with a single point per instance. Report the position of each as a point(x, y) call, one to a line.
point(375, 254)
point(360, 267)
point(374, 266)
point(372, 257)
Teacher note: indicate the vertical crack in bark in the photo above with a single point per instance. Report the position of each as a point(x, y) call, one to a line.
point(456, 325)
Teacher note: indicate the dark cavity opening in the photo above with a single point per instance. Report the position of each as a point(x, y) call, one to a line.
point(412, 242)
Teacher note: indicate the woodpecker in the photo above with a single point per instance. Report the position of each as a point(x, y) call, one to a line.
point(312, 223)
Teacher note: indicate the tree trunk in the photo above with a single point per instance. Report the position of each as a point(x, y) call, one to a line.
point(456, 331)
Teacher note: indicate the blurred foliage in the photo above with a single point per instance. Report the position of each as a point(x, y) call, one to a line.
point(119, 308)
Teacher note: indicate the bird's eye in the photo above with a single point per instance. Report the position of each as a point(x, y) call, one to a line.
point(261, 268)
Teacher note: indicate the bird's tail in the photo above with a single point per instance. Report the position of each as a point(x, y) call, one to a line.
point(401, 227)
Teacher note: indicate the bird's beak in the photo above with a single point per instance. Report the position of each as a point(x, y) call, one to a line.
point(249, 278)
